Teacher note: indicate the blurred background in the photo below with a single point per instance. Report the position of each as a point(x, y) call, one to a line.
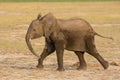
point(15, 17)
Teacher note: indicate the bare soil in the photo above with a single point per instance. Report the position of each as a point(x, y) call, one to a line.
point(17, 63)
point(23, 67)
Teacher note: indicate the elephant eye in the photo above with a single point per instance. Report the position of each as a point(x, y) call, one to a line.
point(34, 29)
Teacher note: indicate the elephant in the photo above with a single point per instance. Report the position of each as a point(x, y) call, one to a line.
point(74, 34)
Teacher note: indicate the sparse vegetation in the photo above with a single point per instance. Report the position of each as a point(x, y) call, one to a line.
point(17, 63)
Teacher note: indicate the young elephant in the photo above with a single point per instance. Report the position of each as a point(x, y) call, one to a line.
point(74, 35)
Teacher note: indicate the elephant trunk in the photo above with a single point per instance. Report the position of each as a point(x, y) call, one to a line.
point(27, 38)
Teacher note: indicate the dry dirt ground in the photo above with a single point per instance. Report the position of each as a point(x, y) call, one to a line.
point(17, 63)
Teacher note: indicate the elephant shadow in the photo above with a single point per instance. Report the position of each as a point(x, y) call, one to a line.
point(28, 66)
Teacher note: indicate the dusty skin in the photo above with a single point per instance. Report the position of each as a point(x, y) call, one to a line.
point(17, 63)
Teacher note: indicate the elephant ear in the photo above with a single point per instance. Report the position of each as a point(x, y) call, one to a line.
point(39, 17)
point(50, 25)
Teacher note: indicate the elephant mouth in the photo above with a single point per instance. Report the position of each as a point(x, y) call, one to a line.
point(35, 37)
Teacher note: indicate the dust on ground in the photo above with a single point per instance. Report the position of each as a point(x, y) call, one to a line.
point(23, 67)
point(17, 63)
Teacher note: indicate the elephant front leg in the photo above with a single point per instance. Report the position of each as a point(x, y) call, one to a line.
point(45, 53)
point(42, 57)
point(59, 53)
point(60, 60)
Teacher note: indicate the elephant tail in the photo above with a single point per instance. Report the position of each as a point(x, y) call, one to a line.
point(103, 36)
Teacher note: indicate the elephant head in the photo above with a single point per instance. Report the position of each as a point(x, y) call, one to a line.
point(42, 26)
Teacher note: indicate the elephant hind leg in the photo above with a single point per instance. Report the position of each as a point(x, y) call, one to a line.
point(83, 65)
point(91, 49)
point(103, 62)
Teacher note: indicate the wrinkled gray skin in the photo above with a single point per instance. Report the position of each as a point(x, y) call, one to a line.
point(74, 35)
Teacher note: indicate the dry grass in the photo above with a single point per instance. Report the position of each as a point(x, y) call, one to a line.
point(17, 63)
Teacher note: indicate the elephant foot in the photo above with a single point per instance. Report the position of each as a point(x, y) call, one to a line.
point(40, 67)
point(60, 69)
point(106, 65)
point(82, 68)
